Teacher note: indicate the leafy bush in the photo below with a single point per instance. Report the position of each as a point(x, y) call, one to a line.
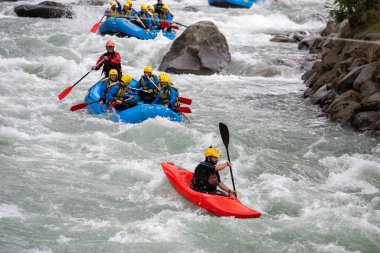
point(349, 9)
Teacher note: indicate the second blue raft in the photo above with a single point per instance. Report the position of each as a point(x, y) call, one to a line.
point(132, 115)
point(125, 28)
point(233, 3)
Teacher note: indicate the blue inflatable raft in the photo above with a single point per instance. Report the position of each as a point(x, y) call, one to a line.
point(233, 3)
point(125, 28)
point(132, 115)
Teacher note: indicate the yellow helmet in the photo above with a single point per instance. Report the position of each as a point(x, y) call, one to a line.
point(144, 7)
point(151, 8)
point(165, 7)
point(148, 69)
point(113, 72)
point(126, 5)
point(164, 78)
point(126, 79)
point(130, 3)
point(212, 152)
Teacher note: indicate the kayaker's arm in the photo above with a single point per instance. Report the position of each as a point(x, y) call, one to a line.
point(222, 166)
point(226, 189)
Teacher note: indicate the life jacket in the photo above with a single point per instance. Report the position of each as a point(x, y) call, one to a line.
point(152, 16)
point(112, 13)
point(143, 17)
point(109, 85)
point(124, 14)
point(203, 178)
point(107, 66)
point(120, 94)
point(163, 17)
point(131, 11)
point(145, 87)
point(165, 95)
point(158, 8)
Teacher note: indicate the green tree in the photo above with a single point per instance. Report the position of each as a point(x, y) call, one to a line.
point(350, 9)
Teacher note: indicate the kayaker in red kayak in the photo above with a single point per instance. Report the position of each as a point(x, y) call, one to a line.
point(206, 175)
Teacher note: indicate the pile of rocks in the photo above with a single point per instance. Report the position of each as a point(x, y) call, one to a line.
point(345, 78)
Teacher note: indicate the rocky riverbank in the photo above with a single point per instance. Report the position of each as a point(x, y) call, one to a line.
point(345, 78)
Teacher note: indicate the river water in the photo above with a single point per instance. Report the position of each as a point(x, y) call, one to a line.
point(71, 182)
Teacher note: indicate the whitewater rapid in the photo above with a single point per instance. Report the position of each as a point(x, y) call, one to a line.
point(71, 182)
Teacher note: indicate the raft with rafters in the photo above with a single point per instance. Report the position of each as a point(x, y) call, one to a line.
point(123, 27)
point(133, 115)
point(233, 3)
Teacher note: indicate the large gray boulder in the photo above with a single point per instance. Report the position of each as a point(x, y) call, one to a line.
point(201, 49)
point(47, 9)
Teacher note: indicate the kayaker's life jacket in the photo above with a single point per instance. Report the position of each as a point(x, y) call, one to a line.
point(145, 87)
point(165, 95)
point(120, 94)
point(107, 66)
point(205, 177)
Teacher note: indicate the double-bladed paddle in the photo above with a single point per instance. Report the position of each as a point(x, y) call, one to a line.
point(226, 139)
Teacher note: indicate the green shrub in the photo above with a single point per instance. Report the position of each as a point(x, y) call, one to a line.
point(349, 9)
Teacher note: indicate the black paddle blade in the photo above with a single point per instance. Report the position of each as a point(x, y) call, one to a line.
point(224, 133)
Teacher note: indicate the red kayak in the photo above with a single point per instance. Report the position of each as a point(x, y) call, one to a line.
point(216, 204)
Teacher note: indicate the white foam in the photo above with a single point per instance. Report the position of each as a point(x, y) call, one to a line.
point(10, 211)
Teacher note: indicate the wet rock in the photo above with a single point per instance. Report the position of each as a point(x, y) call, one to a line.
point(91, 2)
point(355, 63)
point(345, 106)
point(372, 36)
point(282, 38)
point(372, 102)
point(308, 74)
point(347, 82)
point(316, 47)
point(268, 72)
point(316, 98)
point(308, 93)
point(329, 97)
point(369, 87)
point(377, 135)
point(366, 74)
point(312, 79)
point(288, 63)
point(201, 49)
point(191, 9)
point(47, 9)
point(366, 121)
point(306, 43)
point(330, 28)
point(330, 59)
